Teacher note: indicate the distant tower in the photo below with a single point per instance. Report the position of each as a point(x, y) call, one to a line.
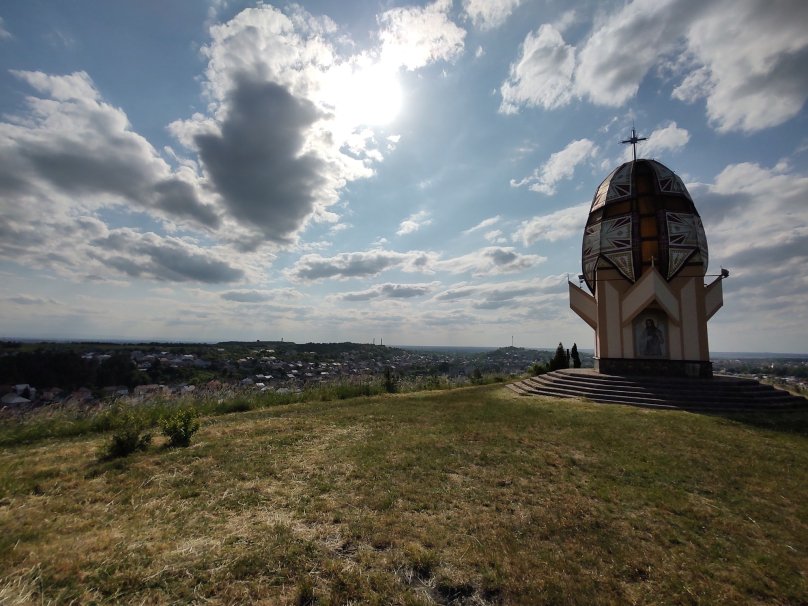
point(644, 260)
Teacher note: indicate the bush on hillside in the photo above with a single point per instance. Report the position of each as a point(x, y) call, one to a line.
point(127, 436)
point(180, 426)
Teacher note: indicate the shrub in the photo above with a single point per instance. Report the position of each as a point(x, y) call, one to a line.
point(126, 436)
point(390, 382)
point(180, 426)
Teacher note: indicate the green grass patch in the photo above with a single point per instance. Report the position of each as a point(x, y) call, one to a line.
point(468, 496)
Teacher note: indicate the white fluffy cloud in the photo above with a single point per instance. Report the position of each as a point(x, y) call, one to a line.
point(667, 138)
point(413, 223)
point(756, 223)
point(490, 260)
point(482, 224)
point(561, 165)
point(413, 37)
point(744, 57)
point(4, 33)
point(558, 225)
point(488, 14)
point(542, 76)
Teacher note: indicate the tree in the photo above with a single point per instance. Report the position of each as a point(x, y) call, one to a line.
point(560, 358)
point(576, 359)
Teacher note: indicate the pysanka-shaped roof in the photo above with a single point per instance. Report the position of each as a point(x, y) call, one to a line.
point(642, 216)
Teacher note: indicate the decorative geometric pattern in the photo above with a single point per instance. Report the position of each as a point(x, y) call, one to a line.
point(668, 182)
point(685, 237)
point(616, 185)
point(610, 239)
point(591, 252)
point(616, 240)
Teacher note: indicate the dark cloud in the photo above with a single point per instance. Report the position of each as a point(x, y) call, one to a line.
point(260, 296)
point(390, 291)
point(29, 300)
point(357, 265)
point(165, 259)
point(178, 198)
point(256, 164)
point(76, 145)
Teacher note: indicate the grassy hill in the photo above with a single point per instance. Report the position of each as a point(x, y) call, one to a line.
point(470, 496)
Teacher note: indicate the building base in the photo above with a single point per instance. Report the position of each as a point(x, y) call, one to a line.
point(658, 368)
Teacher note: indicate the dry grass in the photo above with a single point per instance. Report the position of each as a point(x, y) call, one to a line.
point(472, 496)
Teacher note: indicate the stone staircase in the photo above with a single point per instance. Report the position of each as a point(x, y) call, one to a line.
point(717, 394)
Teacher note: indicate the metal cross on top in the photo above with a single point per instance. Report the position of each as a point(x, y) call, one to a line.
point(634, 140)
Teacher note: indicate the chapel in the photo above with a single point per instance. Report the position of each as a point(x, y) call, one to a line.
point(644, 262)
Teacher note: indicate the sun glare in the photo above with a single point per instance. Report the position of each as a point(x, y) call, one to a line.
point(369, 96)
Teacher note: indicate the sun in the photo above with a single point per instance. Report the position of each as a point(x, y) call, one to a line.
point(369, 95)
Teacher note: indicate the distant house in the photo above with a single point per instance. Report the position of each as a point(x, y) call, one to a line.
point(12, 399)
point(151, 390)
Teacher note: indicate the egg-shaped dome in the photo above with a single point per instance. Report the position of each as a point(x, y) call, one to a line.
point(642, 216)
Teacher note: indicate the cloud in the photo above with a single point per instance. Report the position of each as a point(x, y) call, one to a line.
point(282, 136)
point(489, 14)
point(368, 264)
point(495, 295)
point(68, 158)
point(495, 236)
point(668, 138)
point(74, 145)
point(412, 37)
point(755, 69)
point(257, 162)
point(744, 58)
point(390, 291)
point(482, 225)
point(261, 296)
point(558, 225)
point(756, 223)
point(542, 76)
point(161, 258)
point(23, 299)
point(490, 260)
point(561, 165)
point(4, 33)
point(752, 210)
point(413, 223)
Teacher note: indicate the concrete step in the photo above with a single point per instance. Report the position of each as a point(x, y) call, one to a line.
point(717, 394)
point(722, 393)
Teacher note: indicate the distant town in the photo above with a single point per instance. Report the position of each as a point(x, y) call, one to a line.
point(34, 374)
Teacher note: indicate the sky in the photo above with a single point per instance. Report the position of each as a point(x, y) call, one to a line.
point(414, 172)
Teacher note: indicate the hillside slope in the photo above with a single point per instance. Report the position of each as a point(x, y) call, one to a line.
point(472, 496)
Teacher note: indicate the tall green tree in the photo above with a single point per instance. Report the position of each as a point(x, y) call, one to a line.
point(560, 358)
point(576, 358)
